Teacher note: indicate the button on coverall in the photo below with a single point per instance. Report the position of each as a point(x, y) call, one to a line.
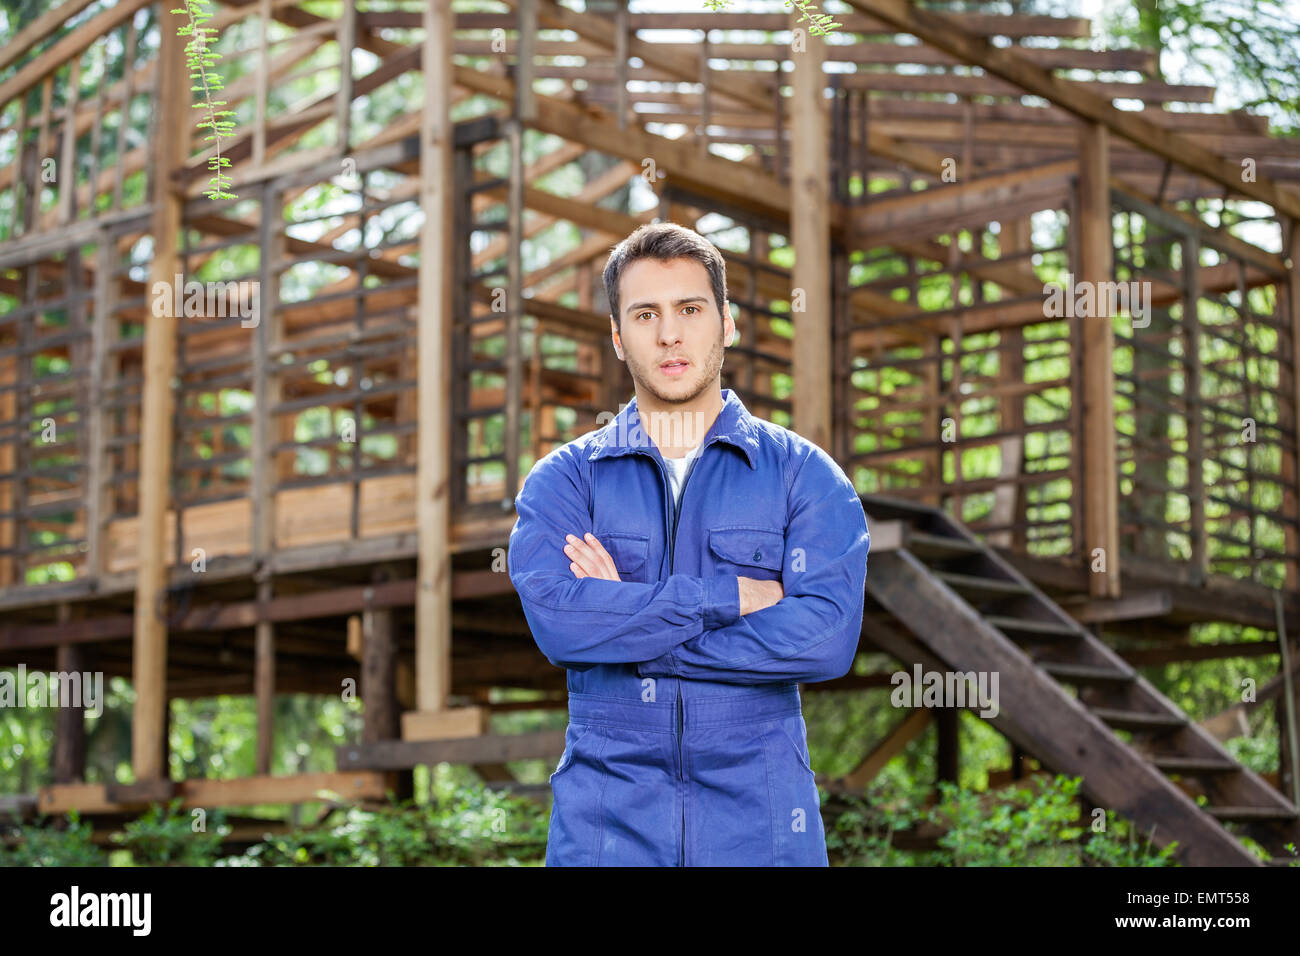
point(686, 745)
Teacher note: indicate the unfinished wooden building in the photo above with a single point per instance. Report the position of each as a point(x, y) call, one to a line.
point(208, 500)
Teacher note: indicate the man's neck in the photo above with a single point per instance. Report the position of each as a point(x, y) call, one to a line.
point(677, 428)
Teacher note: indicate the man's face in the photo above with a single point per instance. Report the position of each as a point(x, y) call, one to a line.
point(672, 336)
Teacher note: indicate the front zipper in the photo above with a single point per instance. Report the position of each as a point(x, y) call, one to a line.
point(681, 726)
point(675, 512)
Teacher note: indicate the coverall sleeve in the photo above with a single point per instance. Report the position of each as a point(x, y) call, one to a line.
point(812, 633)
point(580, 622)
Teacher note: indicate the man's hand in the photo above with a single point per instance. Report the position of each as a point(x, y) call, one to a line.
point(756, 595)
point(589, 559)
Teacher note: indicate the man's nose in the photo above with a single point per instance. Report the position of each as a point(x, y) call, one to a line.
point(670, 330)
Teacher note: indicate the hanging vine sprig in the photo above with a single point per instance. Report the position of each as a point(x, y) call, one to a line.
point(201, 61)
point(819, 24)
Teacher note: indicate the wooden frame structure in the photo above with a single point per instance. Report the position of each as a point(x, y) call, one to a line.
point(224, 492)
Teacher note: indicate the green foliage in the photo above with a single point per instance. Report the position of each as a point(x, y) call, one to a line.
point(478, 827)
point(1247, 48)
point(820, 24)
point(474, 826)
point(1033, 825)
point(165, 836)
point(46, 845)
point(201, 62)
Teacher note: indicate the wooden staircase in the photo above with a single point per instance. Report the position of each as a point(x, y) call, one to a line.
point(1063, 696)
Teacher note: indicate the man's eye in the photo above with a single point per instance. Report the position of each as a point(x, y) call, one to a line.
point(644, 314)
point(695, 307)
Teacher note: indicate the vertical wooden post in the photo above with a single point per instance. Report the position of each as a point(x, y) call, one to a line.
point(24, 183)
point(149, 658)
point(437, 237)
point(347, 40)
point(1009, 498)
point(262, 79)
point(1288, 776)
point(124, 118)
point(1291, 463)
point(811, 237)
point(843, 427)
point(706, 85)
point(1192, 402)
point(67, 174)
point(8, 460)
point(621, 43)
point(1100, 475)
point(96, 438)
point(266, 395)
point(70, 721)
point(514, 129)
point(264, 681)
point(378, 672)
point(43, 144)
point(947, 726)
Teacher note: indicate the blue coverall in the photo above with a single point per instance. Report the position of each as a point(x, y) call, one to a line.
point(686, 745)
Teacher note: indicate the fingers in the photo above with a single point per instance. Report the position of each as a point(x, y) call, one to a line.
point(603, 556)
point(590, 557)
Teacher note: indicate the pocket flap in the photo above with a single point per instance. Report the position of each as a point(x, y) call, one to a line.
point(760, 547)
point(626, 548)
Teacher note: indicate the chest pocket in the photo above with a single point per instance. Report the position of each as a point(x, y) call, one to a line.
point(629, 552)
point(749, 552)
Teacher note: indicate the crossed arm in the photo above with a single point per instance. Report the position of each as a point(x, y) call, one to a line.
point(589, 559)
point(804, 628)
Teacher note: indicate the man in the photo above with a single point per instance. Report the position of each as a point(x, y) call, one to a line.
point(689, 565)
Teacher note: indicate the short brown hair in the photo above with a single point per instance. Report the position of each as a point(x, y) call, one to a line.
point(664, 241)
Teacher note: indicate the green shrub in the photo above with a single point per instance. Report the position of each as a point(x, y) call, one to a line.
point(1034, 825)
point(43, 845)
point(165, 836)
point(477, 827)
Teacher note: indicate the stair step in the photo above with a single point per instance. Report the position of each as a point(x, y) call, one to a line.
point(936, 546)
point(1250, 814)
point(970, 584)
point(1174, 764)
point(1138, 720)
point(1085, 673)
point(1020, 625)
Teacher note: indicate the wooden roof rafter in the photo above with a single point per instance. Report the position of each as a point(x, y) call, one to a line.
point(1012, 65)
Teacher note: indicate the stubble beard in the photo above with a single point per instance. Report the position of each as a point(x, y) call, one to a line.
point(643, 376)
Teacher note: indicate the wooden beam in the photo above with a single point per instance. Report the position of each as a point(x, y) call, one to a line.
point(1011, 63)
point(72, 45)
point(1100, 476)
point(149, 661)
point(487, 748)
point(379, 676)
point(69, 763)
point(1291, 461)
point(346, 34)
point(981, 24)
point(1131, 607)
point(747, 188)
point(350, 786)
point(437, 239)
point(938, 208)
point(810, 235)
point(907, 730)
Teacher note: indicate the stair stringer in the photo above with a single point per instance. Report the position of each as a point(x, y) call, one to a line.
point(1037, 714)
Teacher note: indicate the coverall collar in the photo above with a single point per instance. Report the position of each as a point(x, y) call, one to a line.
point(734, 425)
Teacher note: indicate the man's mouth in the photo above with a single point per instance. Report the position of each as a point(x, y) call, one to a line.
point(674, 366)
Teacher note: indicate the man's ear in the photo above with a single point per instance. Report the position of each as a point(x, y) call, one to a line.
point(728, 325)
point(616, 338)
